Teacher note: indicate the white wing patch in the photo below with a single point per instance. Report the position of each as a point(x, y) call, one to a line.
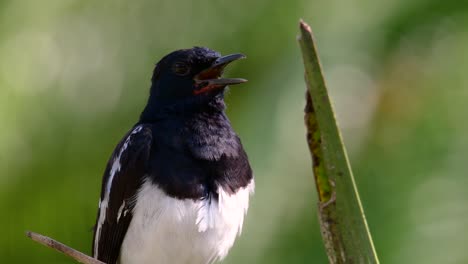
point(119, 213)
point(167, 230)
point(103, 204)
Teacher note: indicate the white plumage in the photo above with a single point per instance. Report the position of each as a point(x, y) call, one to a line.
point(166, 230)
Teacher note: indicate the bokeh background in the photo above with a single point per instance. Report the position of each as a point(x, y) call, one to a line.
point(74, 76)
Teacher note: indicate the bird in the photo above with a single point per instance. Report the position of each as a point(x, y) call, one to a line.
point(176, 188)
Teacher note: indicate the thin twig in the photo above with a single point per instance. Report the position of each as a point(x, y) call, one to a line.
point(73, 253)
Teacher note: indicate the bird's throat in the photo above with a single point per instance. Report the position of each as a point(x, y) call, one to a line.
point(210, 136)
point(157, 108)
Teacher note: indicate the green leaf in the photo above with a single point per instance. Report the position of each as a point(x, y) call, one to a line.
point(344, 229)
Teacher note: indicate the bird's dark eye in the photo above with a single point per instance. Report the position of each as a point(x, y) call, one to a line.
point(180, 68)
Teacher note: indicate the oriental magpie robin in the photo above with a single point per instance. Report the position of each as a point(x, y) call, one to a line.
point(177, 186)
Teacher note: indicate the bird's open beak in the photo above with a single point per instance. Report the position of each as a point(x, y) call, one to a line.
point(210, 78)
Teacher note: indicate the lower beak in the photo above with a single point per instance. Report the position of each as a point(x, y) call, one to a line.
point(209, 79)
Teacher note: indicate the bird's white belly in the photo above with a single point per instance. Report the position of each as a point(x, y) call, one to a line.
point(167, 230)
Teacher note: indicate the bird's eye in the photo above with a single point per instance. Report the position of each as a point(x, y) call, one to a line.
point(180, 68)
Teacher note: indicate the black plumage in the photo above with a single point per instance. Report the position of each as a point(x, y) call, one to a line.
point(183, 143)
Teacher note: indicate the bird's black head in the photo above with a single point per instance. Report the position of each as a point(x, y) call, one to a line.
point(189, 79)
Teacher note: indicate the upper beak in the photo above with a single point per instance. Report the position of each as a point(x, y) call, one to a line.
point(209, 79)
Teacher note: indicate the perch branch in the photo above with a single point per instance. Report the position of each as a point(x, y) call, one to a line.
point(54, 244)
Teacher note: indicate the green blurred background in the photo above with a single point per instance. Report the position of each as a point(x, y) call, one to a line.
point(74, 76)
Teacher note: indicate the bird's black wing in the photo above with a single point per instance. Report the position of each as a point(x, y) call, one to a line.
point(122, 179)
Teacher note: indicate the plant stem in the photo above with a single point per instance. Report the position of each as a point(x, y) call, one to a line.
point(73, 253)
point(344, 229)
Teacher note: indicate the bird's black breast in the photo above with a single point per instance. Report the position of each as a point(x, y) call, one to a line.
point(192, 158)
